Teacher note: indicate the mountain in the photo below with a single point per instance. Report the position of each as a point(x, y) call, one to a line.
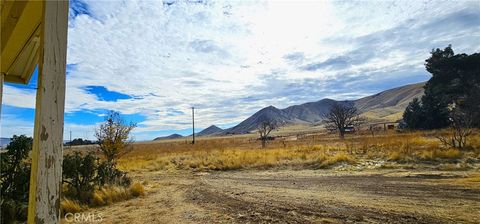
point(172, 136)
point(209, 131)
point(390, 104)
point(311, 112)
point(268, 113)
point(384, 106)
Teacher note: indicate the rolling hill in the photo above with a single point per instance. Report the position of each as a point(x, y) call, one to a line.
point(390, 104)
point(387, 105)
point(172, 136)
point(212, 130)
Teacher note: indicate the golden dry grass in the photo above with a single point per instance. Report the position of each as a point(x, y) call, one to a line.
point(103, 196)
point(71, 206)
point(137, 189)
point(470, 181)
point(314, 150)
point(475, 178)
point(110, 194)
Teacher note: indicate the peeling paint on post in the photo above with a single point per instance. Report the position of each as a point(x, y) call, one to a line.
point(46, 176)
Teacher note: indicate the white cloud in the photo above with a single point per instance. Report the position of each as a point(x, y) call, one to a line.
point(19, 97)
point(218, 56)
point(14, 125)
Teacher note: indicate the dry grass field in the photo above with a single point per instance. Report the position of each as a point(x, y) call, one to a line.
point(305, 151)
point(302, 178)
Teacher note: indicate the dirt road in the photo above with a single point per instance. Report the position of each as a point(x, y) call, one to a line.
point(306, 196)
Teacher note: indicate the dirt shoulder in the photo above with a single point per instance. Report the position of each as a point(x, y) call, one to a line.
point(305, 196)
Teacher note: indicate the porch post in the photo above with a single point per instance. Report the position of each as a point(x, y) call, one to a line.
point(46, 175)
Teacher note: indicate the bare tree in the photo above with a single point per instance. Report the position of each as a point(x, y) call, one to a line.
point(461, 127)
point(264, 129)
point(113, 137)
point(342, 116)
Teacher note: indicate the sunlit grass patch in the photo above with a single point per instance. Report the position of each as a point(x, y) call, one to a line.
point(110, 194)
point(472, 181)
point(474, 178)
point(103, 196)
point(71, 206)
point(440, 154)
point(338, 158)
point(315, 151)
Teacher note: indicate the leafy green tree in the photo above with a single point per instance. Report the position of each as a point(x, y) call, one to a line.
point(454, 76)
point(471, 107)
point(455, 82)
point(15, 169)
point(80, 141)
point(15, 178)
point(435, 113)
point(413, 115)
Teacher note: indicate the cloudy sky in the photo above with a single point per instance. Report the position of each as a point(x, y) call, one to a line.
point(153, 60)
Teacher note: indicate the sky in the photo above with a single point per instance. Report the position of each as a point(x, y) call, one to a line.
point(153, 60)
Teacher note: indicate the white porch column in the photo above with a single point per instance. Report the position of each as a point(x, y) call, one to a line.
point(45, 179)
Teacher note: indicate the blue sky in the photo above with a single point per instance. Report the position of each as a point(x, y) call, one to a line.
point(152, 60)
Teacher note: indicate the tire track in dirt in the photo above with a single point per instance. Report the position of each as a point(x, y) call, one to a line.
point(269, 200)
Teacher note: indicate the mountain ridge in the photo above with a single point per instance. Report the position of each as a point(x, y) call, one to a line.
point(211, 130)
point(386, 105)
point(172, 136)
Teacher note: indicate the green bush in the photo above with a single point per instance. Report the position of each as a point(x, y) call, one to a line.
point(14, 179)
point(79, 175)
point(82, 174)
point(107, 174)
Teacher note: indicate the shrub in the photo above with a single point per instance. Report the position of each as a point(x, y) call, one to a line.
point(113, 137)
point(14, 179)
point(109, 175)
point(137, 189)
point(82, 175)
point(90, 182)
point(79, 175)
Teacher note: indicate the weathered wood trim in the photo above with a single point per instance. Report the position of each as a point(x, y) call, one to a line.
point(45, 179)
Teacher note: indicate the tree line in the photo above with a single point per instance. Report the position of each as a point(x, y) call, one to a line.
point(451, 99)
point(452, 93)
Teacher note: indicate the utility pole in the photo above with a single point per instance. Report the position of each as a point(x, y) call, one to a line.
point(70, 144)
point(193, 125)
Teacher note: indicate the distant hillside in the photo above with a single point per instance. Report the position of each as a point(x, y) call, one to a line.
point(173, 136)
point(387, 105)
point(4, 142)
point(390, 104)
point(268, 113)
point(212, 130)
